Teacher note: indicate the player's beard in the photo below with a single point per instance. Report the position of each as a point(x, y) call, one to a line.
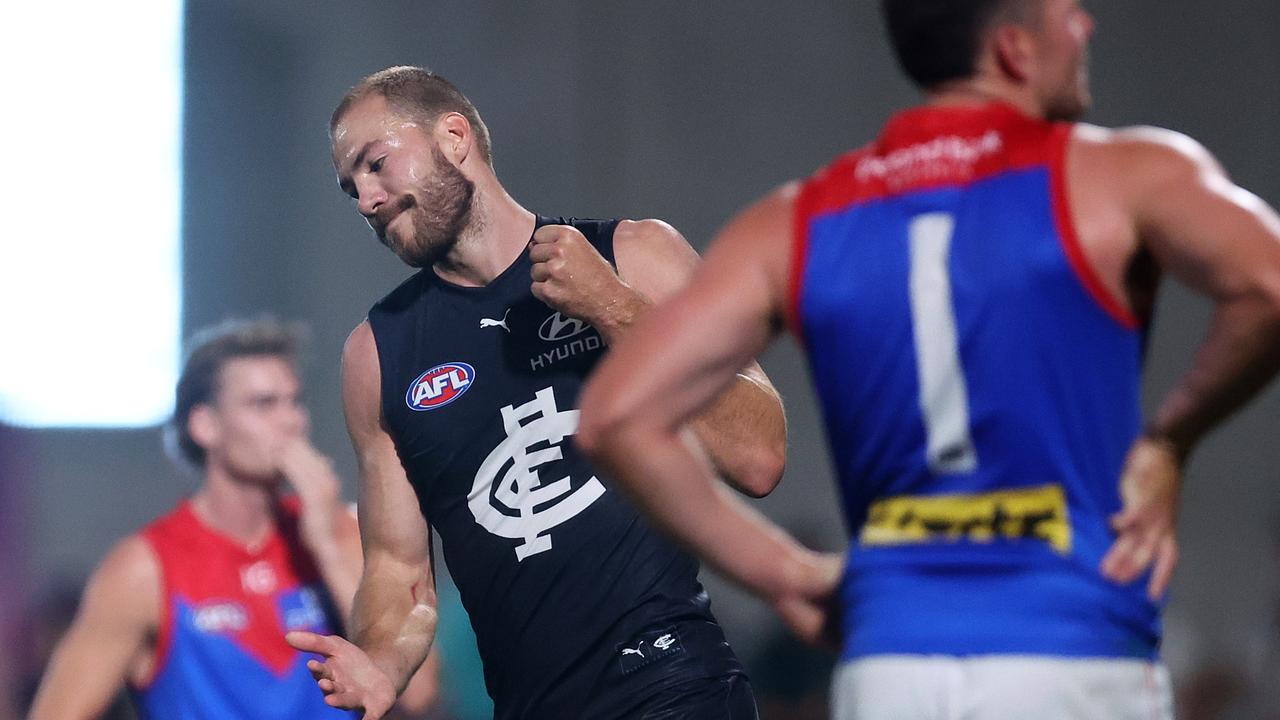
point(1073, 99)
point(440, 210)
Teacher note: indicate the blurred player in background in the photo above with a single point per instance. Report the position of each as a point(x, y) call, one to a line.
point(973, 291)
point(190, 613)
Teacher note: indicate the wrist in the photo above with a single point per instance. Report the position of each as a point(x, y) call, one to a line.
point(1176, 448)
point(323, 546)
point(619, 312)
point(790, 575)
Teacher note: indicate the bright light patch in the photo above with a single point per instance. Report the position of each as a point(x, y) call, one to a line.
point(90, 250)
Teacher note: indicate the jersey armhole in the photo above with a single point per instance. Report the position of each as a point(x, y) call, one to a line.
point(800, 216)
point(164, 628)
point(1060, 140)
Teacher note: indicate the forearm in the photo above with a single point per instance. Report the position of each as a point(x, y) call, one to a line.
point(340, 570)
point(82, 678)
point(745, 434)
point(744, 430)
point(1238, 357)
point(394, 618)
point(618, 313)
point(670, 479)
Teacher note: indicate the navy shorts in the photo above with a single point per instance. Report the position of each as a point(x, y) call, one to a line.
point(673, 671)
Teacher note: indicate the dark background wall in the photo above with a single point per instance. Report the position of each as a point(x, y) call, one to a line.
point(679, 110)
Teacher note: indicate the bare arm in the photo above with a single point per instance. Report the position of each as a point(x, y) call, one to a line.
point(118, 618)
point(327, 525)
point(394, 619)
point(671, 367)
point(423, 688)
point(744, 429)
point(1225, 243)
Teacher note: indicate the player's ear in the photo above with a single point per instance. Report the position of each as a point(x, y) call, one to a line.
point(1014, 51)
point(203, 426)
point(453, 132)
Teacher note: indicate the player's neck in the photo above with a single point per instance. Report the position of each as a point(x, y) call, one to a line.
point(243, 512)
point(981, 90)
point(497, 233)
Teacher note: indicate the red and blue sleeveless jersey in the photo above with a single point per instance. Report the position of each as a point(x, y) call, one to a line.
point(979, 387)
point(220, 649)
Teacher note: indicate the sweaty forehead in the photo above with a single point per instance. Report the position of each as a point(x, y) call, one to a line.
point(366, 121)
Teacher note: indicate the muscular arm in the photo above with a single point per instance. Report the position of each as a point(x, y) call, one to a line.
point(744, 430)
point(394, 618)
point(685, 353)
point(118, 618)
point(1162, 194)
point(1221, 241)
point(328, 526)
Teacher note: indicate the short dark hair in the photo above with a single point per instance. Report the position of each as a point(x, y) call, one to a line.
point(209, 351)
point(418, 93)
point(937, 41)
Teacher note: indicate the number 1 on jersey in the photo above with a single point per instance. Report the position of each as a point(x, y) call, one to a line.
point(944, 398)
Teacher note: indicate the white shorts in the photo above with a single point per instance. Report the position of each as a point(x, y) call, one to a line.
point(1000, 687)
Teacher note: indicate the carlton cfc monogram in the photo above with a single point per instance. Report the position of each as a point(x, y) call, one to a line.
point(503, 502)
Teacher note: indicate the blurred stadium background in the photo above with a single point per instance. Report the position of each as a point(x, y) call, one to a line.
point(678, 110)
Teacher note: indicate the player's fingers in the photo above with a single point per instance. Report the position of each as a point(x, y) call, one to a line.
point(1124, 519)
point(542, 252)
point(548, 234)
point(327, 685)
point(1118, 563)
point(1137, 555)
point(309, 642)
point(1166, 561)
point(540, 273)
point(544, 291)
point(318, 669)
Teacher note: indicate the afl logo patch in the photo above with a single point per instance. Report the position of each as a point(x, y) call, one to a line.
point(439, 386)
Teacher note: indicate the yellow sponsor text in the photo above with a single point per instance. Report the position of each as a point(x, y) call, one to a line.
point(1037, 513)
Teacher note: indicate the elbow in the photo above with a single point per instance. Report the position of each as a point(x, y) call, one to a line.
point(761, 470)
point(599, 425)
point(610, 431)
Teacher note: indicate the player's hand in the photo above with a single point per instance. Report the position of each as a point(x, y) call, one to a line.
point(1146, 524)
point(571, 276)
point(312, 478)
point(812, 608)
point(346, 676)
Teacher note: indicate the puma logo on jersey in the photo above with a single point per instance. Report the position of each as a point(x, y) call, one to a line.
point(488, 323)
point(662, 644)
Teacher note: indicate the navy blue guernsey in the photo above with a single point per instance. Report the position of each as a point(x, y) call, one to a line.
point(557, 572)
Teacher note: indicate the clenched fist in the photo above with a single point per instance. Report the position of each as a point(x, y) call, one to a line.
point(571, 276)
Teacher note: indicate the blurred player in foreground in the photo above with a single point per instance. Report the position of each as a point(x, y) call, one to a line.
point(973, 291)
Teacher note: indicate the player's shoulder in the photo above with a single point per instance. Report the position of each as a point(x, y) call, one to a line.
point(1143, 152)
point(132, 563)
point(360, 344)
point(647, 230)
point(650, 240)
